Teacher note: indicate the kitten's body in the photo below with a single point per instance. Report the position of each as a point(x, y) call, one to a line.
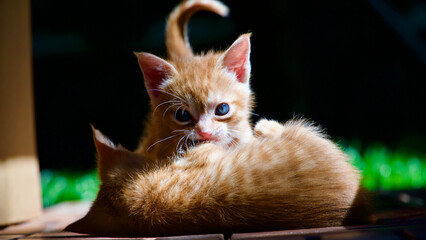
point(287, 177)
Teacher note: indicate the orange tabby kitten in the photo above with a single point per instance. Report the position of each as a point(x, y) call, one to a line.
point(203, 98)
point(288, 176)
point(279, 177)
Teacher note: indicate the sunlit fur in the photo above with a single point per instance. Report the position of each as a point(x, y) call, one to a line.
point(287, 177)
point(275, 177)
point(197, 84)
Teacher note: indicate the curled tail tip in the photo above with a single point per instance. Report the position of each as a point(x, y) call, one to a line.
point(210, 5)
point(220, 8)
point(177, 42)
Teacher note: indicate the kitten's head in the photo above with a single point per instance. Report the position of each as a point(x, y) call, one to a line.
point(201, 98)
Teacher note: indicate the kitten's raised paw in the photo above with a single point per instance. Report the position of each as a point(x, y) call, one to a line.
point(268, 128)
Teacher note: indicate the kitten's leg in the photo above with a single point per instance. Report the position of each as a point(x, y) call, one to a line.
point(268, 128)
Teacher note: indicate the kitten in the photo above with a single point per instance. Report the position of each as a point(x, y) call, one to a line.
point(195, 99)
point(288, 176)
point(277, 177)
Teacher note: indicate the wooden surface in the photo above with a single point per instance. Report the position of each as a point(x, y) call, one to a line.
point(19, 171)
point(402, 223)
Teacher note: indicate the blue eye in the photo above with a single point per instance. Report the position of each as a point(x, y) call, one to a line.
point(182, 115)
point(222, 109)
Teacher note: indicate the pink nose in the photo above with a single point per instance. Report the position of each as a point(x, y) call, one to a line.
point(205, 135)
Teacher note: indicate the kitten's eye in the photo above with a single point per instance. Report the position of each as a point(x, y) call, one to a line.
point(182, 115)
point(222, 109)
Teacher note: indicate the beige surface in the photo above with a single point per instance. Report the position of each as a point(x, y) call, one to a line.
point(19, 174)
point(53, 219)
point(409, 223)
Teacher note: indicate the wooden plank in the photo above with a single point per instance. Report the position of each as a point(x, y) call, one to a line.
point(400, 215)
point(10, 237)
point(76, 237)
point(406, 228)
point(54, 219)
point(19, 171)
point(286, 233)
point(61, 234)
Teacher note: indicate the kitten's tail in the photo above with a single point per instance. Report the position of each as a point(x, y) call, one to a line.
point(176, 33)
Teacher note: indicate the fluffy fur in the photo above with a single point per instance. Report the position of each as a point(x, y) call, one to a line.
point(288, 176)
point(196, 85)
point(238, 180)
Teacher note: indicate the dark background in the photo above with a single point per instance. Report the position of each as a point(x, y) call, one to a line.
point(357, 68)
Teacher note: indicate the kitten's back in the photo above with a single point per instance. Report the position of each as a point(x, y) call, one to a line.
point(288, 177)
point(295, 180)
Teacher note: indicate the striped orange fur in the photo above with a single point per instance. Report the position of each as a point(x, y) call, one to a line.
point(202, 168)
point(287, 176)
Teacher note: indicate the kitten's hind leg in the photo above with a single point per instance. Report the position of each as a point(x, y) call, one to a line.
point(268, 128)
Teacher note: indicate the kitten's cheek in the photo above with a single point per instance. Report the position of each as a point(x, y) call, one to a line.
point(225, 139)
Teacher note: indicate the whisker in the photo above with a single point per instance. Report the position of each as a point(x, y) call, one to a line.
point(180, 148)
point(164, 139)
point(179, 107)
point(233, 143)
point(179, 130)
point(192, 138)
point(161, 104)
point(171, 94)
point(235, 134)
point(186, 142)
point(174, 104)
point(234, 131)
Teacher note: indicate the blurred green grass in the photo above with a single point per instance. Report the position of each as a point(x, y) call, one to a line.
point(65, 185)
point(382, 169)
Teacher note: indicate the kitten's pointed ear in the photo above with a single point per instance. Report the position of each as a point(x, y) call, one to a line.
point(108, 154)
point(111, 156)
point(237, 58)
point(155, 71)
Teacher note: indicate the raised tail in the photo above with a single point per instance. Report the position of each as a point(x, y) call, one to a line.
point(176, 33)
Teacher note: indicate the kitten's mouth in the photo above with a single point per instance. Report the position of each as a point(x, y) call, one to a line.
point(201, 142)
point(197, 142)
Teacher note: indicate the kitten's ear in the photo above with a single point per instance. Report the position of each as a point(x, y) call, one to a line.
point(111, 156)
point(237, 58)
point(155, 71)
point(108, 154)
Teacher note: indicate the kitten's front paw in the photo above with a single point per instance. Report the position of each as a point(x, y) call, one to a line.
point(268, 128)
